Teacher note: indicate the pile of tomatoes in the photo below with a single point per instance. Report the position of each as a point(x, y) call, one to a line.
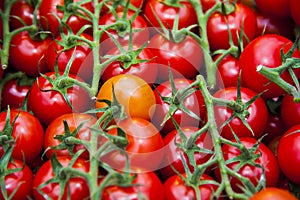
point(150, 99)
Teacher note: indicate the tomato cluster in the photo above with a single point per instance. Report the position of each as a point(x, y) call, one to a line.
point(149, 99)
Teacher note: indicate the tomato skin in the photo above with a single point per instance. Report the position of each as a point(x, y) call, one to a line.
point(150, 187)
point(176, 189)
point(218, 23)
point(56, 127)
point(257, 118)
point(78, 186)
point(277, 9)
point(48, 105)
point(26, 129)
point(173, 155)
point(20, 181)
point(131, 92)
point(272, 193)
point(294, 8)
point(267, 160)
point(27, 54)
point(274, 128)
point(288, 154)
point(290, 111)
point(24, 11)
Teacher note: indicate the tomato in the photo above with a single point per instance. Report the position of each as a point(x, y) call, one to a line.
point(146, 185)
point(288, 154)
point(207, 4)
point(194, 103)
point(218, 25)
point(294, 9)
point(256, 116)
point(120, 5)
point(82, 64)
point(131, 92)
point(173, 153)
point(19, 181)
point(26, 54)
point(278, 9)
point(274, 128)
point(47, 104)
point(265, 50)
point(167, 13)
point(80, 121)
point(254, 173)
point(176, 55)
point(272, 193)
point(290, 111)
point(77, 187)
point(145, 143)
point(23, 11)
point(175, 188)
point(27, 132)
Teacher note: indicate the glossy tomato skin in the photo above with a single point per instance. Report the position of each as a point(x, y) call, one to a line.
point(146, 184)
point(77, 185)
point(176, 189)
point(187, 53)
point(277, 9)
point(265, 50)
point(26, 54)
point(132, 92)
point(173, 153)
point(218, 23)
point(257, 118)
point(167, 14)
point(48, 105)
point(56, 127)
point(288, 154)
point(82, 65)
point(22, 10)
point(272, 193)
point(194, 103)
point(267, 160)
point(294, 9)
point(290, 111)
point(26, 129)
point(20, 180)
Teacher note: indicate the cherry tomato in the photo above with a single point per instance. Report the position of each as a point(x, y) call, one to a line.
point(119, 7)
point(290, 111)
point(77, 187)
point(272, 193)
point(256, 117)
point(207, 4)
point(294, 9)
point(278, 9)
point(27, 132)
point(274, 128)
point(21, 10)
point(131, 92)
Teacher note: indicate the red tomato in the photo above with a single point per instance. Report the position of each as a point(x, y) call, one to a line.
point(120, 5)
point(272, 193)
point(207, 4)
point(218, 25)
point(167, 14)
point(82, 64)
point(56, 128)
point(175, 188)
point(19, 181)
point(173, 153)
point(21, 10)
point(145, 144)
point(194, 103)
point(47, 104)
point(274, 128)
point(77, 187)
point(257, 114)
point(27, 132)
point(26, 54)
point(176, 55)
point(265, 50)
point(146, 185)
point(288, 152)
point(278, 9)
point(290, 111)
point(267, 160)
point(295, 12)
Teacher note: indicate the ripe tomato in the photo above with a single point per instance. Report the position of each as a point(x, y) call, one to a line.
point(290, 111)
point(207, 4)
point(272, 193)
point(27, 132)
point(19, 181)
point(274, 128)
point(120, 5)
point(265, 50)
point(47, 104)
point(146, 185)
point(167, 13)
point(175, 188)
point(288, 152)
point(145, 143)
point(26, 54)
point(24, 11)
point(194, 103)
point(56, 128)
point(218, 25)
point(278, 9)
point(77, 187)
point(131, 92)
point(173, 153)
point(294, 9)
point(256, 117)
